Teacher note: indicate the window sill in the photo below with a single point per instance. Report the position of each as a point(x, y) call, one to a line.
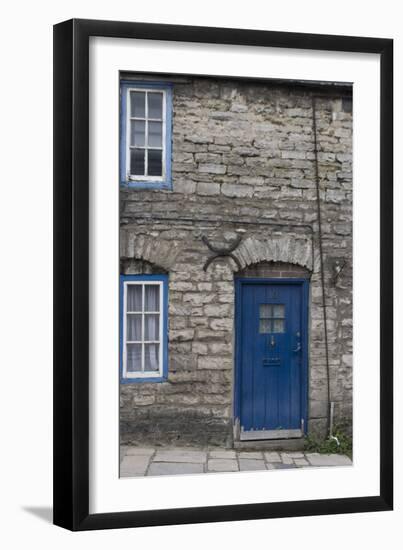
point(151, 380)
point(145, 185)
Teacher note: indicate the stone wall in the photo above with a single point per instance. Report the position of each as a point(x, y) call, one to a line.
point(243, 165)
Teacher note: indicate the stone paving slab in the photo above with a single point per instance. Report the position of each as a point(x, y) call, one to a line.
point(222, 454)
point(285, 459)
point(134, 465)
point(173, 455)
point(154, 461)
point(144, 451)
point(272, 456)
point(317, 459)
point(301, 462)
point(250, 454)
point(122, 452)
point(174, 468)
point(250, 464)
point(294, 454)
point(222, 465)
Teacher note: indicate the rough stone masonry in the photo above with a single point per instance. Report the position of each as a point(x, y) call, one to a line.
point(242, 161)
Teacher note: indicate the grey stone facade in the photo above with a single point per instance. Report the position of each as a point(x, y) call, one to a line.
point(243, 163)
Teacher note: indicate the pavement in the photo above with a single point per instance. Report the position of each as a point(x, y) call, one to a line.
point(156, 461)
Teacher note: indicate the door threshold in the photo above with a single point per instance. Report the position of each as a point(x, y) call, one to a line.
point(269, 434)
point(296, 444)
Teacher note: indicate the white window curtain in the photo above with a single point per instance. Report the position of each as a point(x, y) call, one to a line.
point(143, 328)
point(152, 298)
point(151, 327)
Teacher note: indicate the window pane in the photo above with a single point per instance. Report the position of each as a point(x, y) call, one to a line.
point(151, 327)
point(133, 327)
point(154, 105)
point(137, 104)
point(134, 297)
point(265, 326)
point(137, 132)
point(155, 134)
point(278, 325)
point(278, 310)
point(151, 357)
point(133, 357)
point(137, 162)
point(265, 310)
point(154, 162)
point(152, 298)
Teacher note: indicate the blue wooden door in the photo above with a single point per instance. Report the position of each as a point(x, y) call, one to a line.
point(271, 334)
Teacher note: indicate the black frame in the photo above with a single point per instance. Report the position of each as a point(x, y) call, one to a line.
point(71, 274)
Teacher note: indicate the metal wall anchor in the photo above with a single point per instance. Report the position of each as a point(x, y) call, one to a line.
point(222, 252)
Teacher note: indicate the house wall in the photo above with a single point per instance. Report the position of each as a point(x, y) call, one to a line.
point(243, 165)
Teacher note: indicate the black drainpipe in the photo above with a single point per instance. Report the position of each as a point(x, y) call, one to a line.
point(322, 272)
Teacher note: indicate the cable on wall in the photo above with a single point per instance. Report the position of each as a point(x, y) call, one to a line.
point(322, 272)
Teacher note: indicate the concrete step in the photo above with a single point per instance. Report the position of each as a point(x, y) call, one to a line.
point(271, 445)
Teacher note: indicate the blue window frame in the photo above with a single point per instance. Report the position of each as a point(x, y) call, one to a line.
point(145, 134)
point(143, 328)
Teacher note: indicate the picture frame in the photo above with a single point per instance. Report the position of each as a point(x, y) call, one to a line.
point(72, 274)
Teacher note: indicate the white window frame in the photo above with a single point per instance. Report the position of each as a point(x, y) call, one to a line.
point(140, 177)
point(143, 374)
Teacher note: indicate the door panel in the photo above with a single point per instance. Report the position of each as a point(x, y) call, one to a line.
point(270, 355)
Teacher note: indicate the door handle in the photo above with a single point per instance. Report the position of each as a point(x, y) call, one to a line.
point(298, 348)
